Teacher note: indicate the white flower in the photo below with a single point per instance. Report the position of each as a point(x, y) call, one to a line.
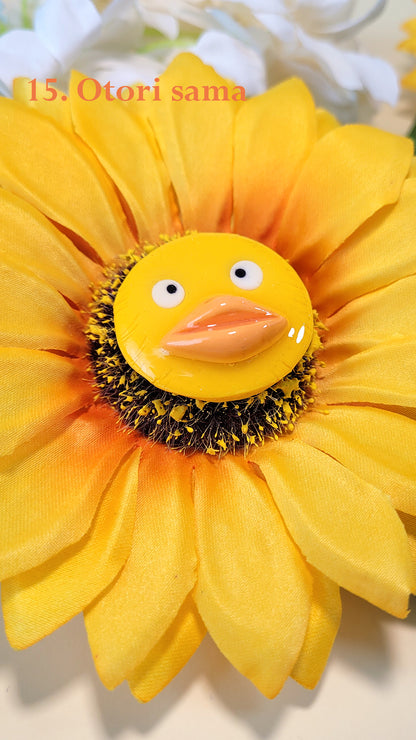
point(108, 45)
point(313, 39)
point(256, 43)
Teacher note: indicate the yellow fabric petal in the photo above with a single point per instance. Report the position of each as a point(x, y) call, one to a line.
point(364, 263)
point(35, 244)
point(377, 445)
point(384, 374)
point(170, 654)
point(274, 134)
point(410, 43)
point(345, 527)
point(409, 522)
point(34, 315)
point(57, 108)
point(39, 601)
point(253, 590)
point(126, 623)
point(351, 173)
point(325, 122)
point(368, 320)
point(36, 390)
point(132, 159)
point(50, 488)
point(323, 626)
point(195, 140)
point(412, 173)
point(61, 177)
point(409, 80)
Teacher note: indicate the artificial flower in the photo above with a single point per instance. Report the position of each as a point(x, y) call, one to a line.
point(266, 42)
point(107, 45)
point(160, 515)
point(409, 45)
point(254, 43)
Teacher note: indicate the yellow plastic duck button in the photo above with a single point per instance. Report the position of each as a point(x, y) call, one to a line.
point(213, 316)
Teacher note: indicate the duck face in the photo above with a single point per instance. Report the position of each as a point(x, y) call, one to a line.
point(213, 316)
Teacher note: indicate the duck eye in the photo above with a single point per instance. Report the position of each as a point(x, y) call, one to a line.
point(168, 293)
point(246, 274)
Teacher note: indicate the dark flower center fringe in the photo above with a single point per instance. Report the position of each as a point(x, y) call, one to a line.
point(180, 422)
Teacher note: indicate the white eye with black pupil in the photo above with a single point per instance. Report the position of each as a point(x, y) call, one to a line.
point(246, 274)
point(168, 293)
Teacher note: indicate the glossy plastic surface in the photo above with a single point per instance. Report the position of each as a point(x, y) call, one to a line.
point(232, 365)
point(225, 329)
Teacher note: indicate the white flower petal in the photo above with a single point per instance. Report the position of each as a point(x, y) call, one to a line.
point(127, 69)
point(232, 59)
point(166, 24)
point(349, 27)
point(283, 28)
point(323, 13)
point(188, 12)
point(232, 27)
point(326, 91)
point(122, 27)
point(64, 26)
point(378, 77)
point(334, 61)
point(4, 90)
point(260, 6)
point(22, 54)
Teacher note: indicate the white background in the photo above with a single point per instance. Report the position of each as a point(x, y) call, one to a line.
point(51, 691)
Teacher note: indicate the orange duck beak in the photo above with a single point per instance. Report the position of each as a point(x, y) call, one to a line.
point(225, 329)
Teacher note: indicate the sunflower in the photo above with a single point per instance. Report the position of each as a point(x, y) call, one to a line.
point(208, 361)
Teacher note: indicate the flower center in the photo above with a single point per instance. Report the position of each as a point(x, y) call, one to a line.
point(204, 344)
point(213, 316)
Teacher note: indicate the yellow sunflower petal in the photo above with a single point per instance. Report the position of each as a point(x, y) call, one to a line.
point(50, 488)
point(196, 144)
point(266, 165)
point(325, 122)
point(34, 315)
point(410, 43)
point(345, 527)
point(364, 263)
point(37, 602)
point(126, 623)
point(253, 590)
point(61, 177)
point(57, 108)
point(409, 80)
point(323, 626)
point(409, 522)
point(368, 320)
point(350, 174)
point(132, 160)
point(384, 374)
point(412, 174)
point(170, 654)
point(377, 445)
point(35, 244)
point(36, 390)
